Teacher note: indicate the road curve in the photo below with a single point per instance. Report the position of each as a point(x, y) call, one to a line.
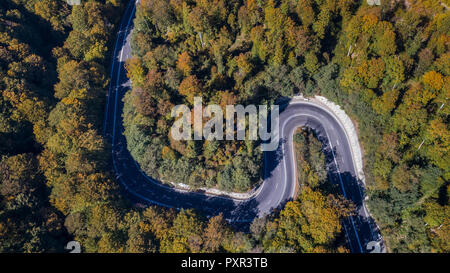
point(279, 166)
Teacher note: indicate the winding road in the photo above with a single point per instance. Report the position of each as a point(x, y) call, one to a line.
point(279, 166)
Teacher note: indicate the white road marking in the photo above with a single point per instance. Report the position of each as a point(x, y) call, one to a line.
point(117, 81)
point(334, 158)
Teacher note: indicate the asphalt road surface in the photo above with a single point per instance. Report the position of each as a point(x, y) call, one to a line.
point(279, 166)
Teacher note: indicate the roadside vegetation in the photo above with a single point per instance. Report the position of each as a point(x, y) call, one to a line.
point(387, 66)
point(311, 170)
point(313, 221)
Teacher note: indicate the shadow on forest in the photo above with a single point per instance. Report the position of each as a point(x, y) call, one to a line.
point(143, 189)
point(360, 228)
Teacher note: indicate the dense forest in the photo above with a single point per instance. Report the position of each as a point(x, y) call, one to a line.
point(227, 52)
point(387, 66)
point(29, 30)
